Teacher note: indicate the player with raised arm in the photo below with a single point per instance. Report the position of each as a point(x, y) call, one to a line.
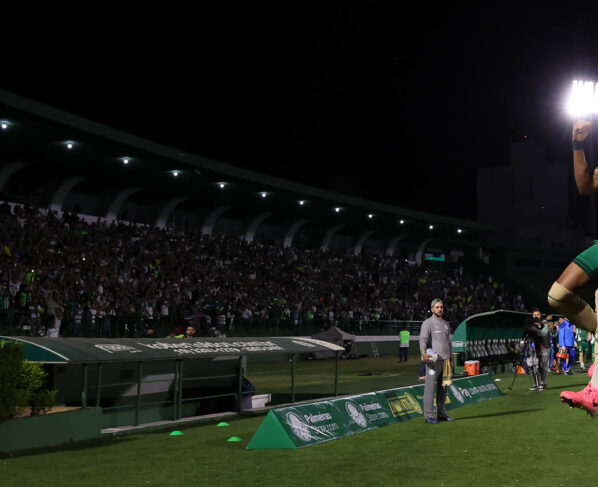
point(563, 295)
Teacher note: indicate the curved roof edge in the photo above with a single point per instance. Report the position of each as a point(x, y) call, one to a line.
point(100, 350)
point(59, 116)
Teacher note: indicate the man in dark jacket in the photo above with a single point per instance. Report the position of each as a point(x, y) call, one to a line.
point(540, 334)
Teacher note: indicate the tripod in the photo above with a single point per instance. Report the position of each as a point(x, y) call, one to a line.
point(529, 363)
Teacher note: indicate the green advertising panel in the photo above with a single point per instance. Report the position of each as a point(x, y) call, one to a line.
point(471, 390)
point(364, 412)
point(309, 424)
point(405, 403)
point(303, 425)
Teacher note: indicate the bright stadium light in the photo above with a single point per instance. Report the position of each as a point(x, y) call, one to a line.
point(69, 145)
point(263, 194)
point(221, 185)
point(459, 230)
point(337, 210)
point(301, 202)
point(175, 173)
point(583, 98)
point(370, 216)
point(4, 125)
point(402, 222)
point(125, 161)
point(431, 227)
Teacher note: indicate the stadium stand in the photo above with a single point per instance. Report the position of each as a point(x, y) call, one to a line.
point(70, 277)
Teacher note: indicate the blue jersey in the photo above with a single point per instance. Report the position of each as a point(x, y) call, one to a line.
point(566, 334)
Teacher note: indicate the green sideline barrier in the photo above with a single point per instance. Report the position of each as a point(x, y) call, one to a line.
point(50, 429)
point(364, 412)
point(309, 424)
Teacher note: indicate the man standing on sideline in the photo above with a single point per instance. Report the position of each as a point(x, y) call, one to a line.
point(567, 341)
point(540, 334)
point(436, 351)
point(404, 345)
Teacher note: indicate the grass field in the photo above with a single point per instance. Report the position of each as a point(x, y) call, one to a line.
point(522, 438)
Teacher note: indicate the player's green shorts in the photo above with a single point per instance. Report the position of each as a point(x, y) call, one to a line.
point(588, 261)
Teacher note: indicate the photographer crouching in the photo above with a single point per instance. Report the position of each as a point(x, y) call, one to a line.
point(539, 333)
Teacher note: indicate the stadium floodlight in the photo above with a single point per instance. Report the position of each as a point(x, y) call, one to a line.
point(125, 161)
point(4, 125)
point(176, 173)
point(370, 216)
point(401, 222)
point(69, 145)
point(337, 210)
point(583, 98)
point(301, 202)
point(459, 230)
point(221, 185)
point(431, 227)
point(263, 194)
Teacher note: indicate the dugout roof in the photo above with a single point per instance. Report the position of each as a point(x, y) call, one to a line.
point(102, 350)
point(490, 325)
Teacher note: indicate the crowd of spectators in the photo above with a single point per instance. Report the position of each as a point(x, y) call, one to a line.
point(64, 276)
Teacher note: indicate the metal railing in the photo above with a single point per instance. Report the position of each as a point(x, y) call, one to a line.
point(135, 326)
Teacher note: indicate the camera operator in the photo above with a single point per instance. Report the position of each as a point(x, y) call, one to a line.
point(540, 335)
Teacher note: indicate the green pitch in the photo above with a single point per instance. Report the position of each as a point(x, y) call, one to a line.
point(522, 438)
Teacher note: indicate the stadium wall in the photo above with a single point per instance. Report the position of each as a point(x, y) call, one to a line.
point(50, 429)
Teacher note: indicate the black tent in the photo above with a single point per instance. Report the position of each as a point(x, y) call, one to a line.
point(337, 337)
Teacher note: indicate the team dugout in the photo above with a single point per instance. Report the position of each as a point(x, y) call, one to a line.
point(492, 338)
point(137, 380)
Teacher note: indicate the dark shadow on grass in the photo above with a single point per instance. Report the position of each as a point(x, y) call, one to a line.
point(73, 446)
point(493, 415)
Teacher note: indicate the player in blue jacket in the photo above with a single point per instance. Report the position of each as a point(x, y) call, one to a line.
point(567, 341)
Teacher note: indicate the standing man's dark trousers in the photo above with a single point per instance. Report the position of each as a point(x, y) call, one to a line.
point(544, 359)
point(434, 385)
point(403, 352)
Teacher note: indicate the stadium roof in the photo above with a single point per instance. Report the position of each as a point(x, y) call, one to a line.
point(36, 137)
point(101, 350)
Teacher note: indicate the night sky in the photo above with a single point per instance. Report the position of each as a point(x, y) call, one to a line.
point(393, 104)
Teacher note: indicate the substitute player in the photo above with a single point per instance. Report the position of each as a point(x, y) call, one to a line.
point(563, 295)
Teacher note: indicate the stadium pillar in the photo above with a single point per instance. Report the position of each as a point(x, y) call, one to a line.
point(180, 398)
point(253, 226)
point(84, 387)
point(394, 244)
point(287, 241)
point(138, 401)
point(328, 236)
point(175, 386)
point(165, 211)
point(361, 240)
point(420, 251)
point(62, 192)
point(336, 375)
point(117, 203)
point(292, 359)
point(208, 226)
point(240, 384)
point(8, 170)
point(99, 385)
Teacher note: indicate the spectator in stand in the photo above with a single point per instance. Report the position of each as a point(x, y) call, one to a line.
point(218, 280)
point(190, 331)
